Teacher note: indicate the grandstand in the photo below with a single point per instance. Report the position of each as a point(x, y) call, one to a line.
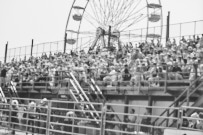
point(145, 87)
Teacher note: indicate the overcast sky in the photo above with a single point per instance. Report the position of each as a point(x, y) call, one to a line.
point(45, 20)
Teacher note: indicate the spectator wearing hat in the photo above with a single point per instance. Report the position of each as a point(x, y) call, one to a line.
point(42, 111)
point(14, 112)
point(194, 122)
point(69, 121)
point(32, 116)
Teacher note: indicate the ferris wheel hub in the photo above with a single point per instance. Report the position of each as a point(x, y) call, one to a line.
point(102, 23)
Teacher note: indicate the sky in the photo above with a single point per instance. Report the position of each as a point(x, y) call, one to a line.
point(45, 20)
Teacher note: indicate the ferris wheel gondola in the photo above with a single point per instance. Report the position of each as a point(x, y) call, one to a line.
point(89, 22)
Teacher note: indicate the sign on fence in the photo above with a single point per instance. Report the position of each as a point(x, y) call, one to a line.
point(181, 132)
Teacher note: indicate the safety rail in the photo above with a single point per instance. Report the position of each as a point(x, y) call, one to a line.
point(96, 90)
point(167, 79)
point(80, 96)
point(186, 95)
point(57, 119)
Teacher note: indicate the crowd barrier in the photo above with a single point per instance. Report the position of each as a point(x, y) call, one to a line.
point(69, 117)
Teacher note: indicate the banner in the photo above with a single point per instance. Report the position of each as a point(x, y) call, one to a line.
point(181, 132)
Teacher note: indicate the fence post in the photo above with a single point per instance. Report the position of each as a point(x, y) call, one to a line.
point(167, 121)
point(6, 49)
point(188, 98)
point(10, 106)
point(166, 78)
point(103, 118)
point(48, 117)
point(196, 74)
point(180, 118)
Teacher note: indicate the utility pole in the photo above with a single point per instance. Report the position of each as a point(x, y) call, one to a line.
point(65, 40)
point(168, 27)
point(32, 47)
point(6, 49)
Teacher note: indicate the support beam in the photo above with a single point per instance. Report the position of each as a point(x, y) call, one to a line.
point(126, 102)
point(168, 27)
point(176, 105)
point(6, 49)
point(65, 40)
point(32, 47)
point(150, 103)
point(109, 37)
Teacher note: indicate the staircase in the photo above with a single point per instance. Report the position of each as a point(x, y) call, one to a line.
point(180, 100)
point(2, 96)
point(96, 90)
point(80, 96)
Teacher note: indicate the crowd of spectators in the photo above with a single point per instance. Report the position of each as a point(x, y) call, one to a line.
point(145, 61)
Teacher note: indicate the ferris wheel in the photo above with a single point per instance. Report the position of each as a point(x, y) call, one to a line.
point(103, 22)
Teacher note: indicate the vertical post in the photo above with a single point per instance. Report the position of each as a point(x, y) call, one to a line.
point(6, 49)
point(150, 103)
point(32, 47)
point(48, 117)
point(126, 102)
point(10, 109)
point(65, 40)
point(103, 119)
point(176, 105)
point(167, 118)
point(166, 78)
point(168, 27)
point(188, 97)
point(196, 74)
point(109, 36)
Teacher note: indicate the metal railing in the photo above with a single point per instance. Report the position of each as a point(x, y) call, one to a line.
point(78, 122)
point(61, 81)
point(187, 29)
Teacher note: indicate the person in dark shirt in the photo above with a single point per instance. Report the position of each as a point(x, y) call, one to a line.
point(3, 77)
point(126, 74)
point(176, 68)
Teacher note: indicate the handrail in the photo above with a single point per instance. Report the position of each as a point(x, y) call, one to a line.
point(98, 89)
point(3, 95)
point(178, 98)
point(74, 81)
point(180, 104)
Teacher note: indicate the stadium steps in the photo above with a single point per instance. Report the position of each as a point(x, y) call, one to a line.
point(184, 97)
point(3, 95)
point(198, 103)
point(80, 96)
point(96, 90)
